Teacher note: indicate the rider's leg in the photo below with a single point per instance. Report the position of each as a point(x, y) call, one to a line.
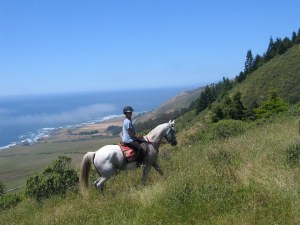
point(139, 151)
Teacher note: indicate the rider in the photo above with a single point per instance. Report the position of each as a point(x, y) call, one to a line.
point(129, 137)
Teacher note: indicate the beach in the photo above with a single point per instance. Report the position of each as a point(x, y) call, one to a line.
point(83, 132)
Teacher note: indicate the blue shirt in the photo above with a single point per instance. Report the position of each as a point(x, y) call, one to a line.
point(127, 124)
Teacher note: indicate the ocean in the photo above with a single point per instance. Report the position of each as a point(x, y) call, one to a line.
point(25, 119)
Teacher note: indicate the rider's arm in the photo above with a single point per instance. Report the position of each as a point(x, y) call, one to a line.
point(131, 133)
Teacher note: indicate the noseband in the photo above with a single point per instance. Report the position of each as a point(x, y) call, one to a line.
point(170, 135)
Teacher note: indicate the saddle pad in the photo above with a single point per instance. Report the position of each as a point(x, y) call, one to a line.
point(128, 152)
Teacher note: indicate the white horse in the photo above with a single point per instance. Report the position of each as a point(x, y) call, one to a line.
point(109, 159)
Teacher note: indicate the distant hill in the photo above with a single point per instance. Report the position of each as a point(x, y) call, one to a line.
point(176, 103)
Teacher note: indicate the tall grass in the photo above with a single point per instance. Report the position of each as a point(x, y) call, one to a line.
point(239, 180)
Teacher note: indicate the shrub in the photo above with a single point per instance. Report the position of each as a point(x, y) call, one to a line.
point(7, 201)
point(293, 155)
point(271, 107)
point(89, 132)
point(114, 130)
point(229, 109)
point(2, 188)
point(56, 179)
point(294, 110)
point(223, 129)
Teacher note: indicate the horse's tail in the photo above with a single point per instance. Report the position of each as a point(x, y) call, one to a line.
point(85, 170)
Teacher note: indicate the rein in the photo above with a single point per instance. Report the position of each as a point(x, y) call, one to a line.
point(155, 144)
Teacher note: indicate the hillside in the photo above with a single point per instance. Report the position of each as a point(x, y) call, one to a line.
point(281, 74)
point(245, 179)
point(176, 103)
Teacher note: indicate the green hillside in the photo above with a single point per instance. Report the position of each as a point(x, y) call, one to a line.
point(281, 74)
point(246, 179)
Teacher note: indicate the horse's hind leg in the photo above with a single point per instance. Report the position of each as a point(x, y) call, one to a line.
point(145, 174)
point(105, 175)
point(158, 169)
point(99, 184)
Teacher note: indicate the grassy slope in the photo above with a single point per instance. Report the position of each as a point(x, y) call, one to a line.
point(281, 74)
point(242, 180)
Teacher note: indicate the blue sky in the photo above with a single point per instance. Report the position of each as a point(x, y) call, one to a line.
point(53, 46)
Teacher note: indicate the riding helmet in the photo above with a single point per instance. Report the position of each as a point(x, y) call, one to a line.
point(127, 109)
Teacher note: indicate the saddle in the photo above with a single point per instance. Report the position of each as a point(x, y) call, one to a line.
point(129, 152)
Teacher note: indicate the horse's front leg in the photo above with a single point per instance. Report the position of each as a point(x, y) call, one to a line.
point(145, 173)
point(158, 169)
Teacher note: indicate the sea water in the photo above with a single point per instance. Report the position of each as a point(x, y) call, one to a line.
point(25, 119)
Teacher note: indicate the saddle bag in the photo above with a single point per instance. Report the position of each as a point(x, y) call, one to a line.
point(128, 152)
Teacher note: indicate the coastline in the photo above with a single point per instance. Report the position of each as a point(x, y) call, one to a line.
point(85, 131)
point(19, 162)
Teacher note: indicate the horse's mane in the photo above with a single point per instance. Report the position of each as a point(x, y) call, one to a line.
point(159, 127)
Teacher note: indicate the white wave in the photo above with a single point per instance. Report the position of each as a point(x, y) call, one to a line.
point(8, 146)
point(31, 138)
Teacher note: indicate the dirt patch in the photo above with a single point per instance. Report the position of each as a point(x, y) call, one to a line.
point(85, 132)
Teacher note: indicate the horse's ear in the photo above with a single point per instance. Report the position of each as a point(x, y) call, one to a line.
point(172, 123)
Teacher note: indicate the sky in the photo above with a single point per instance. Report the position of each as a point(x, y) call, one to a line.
point(57, 46)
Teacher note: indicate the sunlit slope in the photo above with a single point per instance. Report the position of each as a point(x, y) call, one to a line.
point(281, 74)
point(246, 179)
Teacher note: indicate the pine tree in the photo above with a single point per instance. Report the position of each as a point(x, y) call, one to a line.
point(270, 51)
point(279, 46)
point(240, 77)
point(249, 62)
point(257, 62)
point(201, 103)
point(294, 38)
point(298, 37)
point(287, 43)
point(238, 107)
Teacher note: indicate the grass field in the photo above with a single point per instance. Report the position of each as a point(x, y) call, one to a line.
point(18, 163)
point(246, 179)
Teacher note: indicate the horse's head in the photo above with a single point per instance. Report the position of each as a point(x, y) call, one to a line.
point(170, 133)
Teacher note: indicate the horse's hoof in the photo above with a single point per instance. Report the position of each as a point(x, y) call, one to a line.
point(95, 184)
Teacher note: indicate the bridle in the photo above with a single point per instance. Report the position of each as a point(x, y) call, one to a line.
point(170, 136)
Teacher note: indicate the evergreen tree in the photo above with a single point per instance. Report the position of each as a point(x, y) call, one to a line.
point(257, 62)
point(217, 113)
point(249, 62)
point(240, 77)
point(298, 37)
point(225, 86)
point(238, 107)
point(201, 103)
point(279, 46)
point(207, 97)
point(270, 51)
point(294, 38)
point(287, 43)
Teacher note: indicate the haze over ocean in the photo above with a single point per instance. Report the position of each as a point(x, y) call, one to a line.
point(26, 117)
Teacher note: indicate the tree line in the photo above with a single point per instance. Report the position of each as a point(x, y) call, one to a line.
point(277, 47)
point(218, 91)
